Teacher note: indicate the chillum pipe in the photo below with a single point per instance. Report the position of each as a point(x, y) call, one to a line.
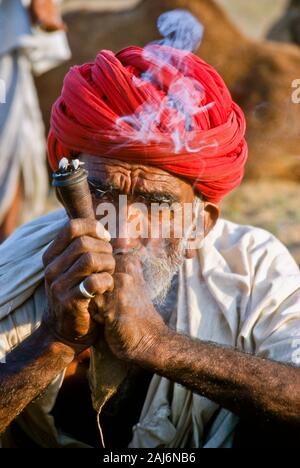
point(72, 189)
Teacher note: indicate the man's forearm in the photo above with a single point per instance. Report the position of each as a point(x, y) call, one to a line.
point(249, 386)
point(28, 371)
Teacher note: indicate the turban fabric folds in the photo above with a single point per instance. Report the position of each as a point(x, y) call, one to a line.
point(157, 106)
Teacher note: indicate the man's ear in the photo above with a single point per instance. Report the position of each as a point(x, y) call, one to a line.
point(211, 216)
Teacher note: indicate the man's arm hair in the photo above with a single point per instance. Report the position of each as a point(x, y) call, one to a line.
point(251, 387)
point(28, 371)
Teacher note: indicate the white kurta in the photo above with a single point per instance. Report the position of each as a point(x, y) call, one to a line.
point(241, 290)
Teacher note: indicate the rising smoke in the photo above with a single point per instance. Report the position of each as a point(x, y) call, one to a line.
point(173, 114)
point(181, 30)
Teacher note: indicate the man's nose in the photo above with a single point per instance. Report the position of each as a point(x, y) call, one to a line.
point(125, 245)
point(127, 237)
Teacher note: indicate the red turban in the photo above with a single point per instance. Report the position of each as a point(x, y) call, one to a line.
point(157, 106)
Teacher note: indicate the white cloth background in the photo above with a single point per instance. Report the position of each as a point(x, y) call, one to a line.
point(24, 51)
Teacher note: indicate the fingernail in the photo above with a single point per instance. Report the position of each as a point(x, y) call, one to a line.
point(103, 233)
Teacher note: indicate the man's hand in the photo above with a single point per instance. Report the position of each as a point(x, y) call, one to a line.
point(132, 325)
point(46, 14)
point(81, 252)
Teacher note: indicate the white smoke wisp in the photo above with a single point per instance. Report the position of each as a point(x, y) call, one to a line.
point(185, 98)
point(181, 30)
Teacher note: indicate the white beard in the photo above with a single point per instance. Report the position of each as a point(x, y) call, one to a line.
point(159, 272)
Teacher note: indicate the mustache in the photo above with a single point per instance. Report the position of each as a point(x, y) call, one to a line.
point(160, 271)
point(132, 251)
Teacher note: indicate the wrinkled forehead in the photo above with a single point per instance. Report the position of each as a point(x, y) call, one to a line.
point(129, 178)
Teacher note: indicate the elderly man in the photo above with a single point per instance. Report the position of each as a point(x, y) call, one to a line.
point(188, 336)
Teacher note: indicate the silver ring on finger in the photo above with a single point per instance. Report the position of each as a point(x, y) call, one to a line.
point(84, 291)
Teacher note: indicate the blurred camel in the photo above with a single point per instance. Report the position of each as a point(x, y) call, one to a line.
point(287, 28)
point(259, 74)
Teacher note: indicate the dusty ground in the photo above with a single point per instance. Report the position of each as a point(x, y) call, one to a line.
point(254, 17)
point(274, 207)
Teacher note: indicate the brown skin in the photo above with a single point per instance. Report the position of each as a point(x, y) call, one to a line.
point(248, 386)
point(46, 14)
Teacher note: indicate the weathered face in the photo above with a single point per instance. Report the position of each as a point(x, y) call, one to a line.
point(143, 188)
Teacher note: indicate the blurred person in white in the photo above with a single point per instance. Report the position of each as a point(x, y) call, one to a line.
point(32, 41)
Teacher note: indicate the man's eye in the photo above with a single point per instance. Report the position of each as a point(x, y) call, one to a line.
point(166, 202)
point(105, 196)
point(100, 194)
point(156, 201)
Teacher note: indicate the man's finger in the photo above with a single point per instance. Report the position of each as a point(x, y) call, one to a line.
point(99, 284)
point(72, 230)
point(87, 265)
point(78, 247)
point(131, 265)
